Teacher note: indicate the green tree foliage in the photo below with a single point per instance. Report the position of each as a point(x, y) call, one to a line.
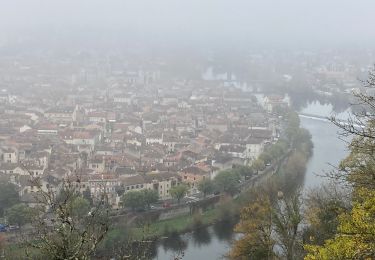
point(139, 199)
point(80, 207)
point(323, 206)
point(302, 141)
point(286, 219)
point(8, 196)
point(266, 157)
point(227, 210)
point(206, 186)
point(355, 237)
point(227, 181)
point(256, 226)
point(87, 195)
point(280, 110)
point(298, 138)
point(292, 127)
point(19, 214)
point(243, 171)
point(271, 224)
point(277, 150)
point(150, 196)
point(355, 233)
point(274, 152)
point(359, 167)
point(134, 200)
point(291, 174)
point(296, 164)
point(178, 192)
point(258, 165)
point(266, 222)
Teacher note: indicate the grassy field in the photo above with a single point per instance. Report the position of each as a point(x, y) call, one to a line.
point(180, 224)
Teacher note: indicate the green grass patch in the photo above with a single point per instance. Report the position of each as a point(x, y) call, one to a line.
point(176, 225)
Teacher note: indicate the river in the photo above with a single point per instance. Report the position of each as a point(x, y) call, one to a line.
point(215, 241)
point(329, 149)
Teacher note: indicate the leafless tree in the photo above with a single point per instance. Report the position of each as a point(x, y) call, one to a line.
point(58, 233)
point(361, 127)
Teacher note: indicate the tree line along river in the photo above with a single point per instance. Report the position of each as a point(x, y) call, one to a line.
point(214, 242)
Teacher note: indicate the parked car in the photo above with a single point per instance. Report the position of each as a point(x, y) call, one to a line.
point(15, 227)
point(3, 228)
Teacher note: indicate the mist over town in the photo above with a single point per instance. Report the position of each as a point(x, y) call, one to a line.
point(187, 129)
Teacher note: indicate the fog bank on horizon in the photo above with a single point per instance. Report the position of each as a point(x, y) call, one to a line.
point(289, 23)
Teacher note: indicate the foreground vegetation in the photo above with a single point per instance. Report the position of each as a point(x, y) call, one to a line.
point(338, 219)
point(71, 228)
point(354, 235)
point(270, 213)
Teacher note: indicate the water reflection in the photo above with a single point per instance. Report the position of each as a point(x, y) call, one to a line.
point(201, 237)
point(174, 243)
point(339, 103)
point(224, 230)
point(211, 242)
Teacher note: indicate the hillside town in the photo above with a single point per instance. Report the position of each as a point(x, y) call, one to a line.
point(133, 130)
point(187, 130)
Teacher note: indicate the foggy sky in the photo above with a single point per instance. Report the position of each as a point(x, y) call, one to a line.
point(197, 22)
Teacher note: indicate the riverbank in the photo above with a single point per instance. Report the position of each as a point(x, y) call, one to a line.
point(293, 160)
point(217, 239)
point(227, 209)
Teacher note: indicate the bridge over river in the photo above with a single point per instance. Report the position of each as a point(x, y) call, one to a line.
point(215, 241)
point(326, 119)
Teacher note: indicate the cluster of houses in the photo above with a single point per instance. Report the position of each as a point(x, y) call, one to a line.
point(134, 132)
